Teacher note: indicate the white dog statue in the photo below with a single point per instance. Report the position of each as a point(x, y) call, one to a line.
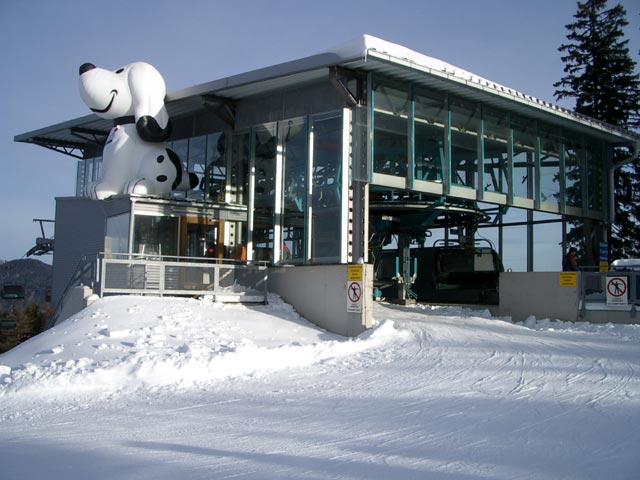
point(136, 157)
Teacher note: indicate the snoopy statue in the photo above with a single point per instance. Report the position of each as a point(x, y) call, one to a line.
point(136, 158)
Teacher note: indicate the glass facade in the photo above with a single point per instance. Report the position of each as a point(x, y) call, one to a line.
point(441, 139)
point(291, 174)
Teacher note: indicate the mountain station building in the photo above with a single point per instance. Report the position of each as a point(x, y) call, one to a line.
point(320, 164)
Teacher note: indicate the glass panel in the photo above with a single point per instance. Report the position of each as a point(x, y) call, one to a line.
point(155, 235)
point(117, 237)
point(524, 155)
point(496, 150)
point(465, 125)
point(430, 112)
point(514, 243)
point(295, 154)
point(547, 252)
point(181, 147)
point(238, 187)
point(200, 238)
point(264, 151)
point(196, 162)
point(550, 151)
point(595, 176)
point(326, 187)
point(573, 155)
point(215, 171)
point(390, 136)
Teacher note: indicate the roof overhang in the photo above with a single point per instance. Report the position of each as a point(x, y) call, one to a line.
point(82, 136)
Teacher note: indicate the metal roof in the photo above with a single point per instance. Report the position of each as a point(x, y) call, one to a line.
point(367, 54)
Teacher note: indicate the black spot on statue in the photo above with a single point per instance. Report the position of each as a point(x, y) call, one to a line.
point(161, 178)
point(149, 130)
point(160, 158)
point(175, 159)
point(193, 180)
point(85, 67)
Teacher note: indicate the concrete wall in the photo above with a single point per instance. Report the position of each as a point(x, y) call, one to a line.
point(319, 294)
point(540, 294)
point(77, 299)
point(79, 230)
point(536, 293)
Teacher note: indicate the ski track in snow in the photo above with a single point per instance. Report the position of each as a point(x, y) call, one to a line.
point(429, 393)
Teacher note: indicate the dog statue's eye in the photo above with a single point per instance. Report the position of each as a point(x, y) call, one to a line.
point(120, 70)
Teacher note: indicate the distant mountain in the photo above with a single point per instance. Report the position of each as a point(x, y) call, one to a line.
point(30, 276)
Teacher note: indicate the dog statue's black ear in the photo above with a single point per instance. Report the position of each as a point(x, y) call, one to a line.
point(85, 67)
point(149, 130)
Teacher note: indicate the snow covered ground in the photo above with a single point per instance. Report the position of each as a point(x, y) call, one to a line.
point(162, 388)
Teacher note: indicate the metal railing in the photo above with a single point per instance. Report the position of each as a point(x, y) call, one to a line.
point(226, 280)
point(596, 287)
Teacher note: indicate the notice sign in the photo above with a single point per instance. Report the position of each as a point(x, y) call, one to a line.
point(355, 279)
point(568, 279)
point(617, 290)
point(354, 273)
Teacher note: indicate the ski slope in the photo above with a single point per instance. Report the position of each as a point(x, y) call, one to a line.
point(159, 388)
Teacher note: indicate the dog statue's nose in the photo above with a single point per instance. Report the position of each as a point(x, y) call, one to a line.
point(85, 67)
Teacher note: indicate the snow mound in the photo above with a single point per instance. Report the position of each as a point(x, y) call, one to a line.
point(124, 344)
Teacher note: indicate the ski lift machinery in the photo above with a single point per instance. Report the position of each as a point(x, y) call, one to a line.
point(461, 269)
point(43, 244)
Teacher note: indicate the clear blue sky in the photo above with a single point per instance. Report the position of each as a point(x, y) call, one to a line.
point(43, 42)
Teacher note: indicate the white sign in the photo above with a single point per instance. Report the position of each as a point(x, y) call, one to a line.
point(354, 297)
point(617, 290)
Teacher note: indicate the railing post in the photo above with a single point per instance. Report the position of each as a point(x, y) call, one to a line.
point(632, 293)
point(582, 311)
point(162, 279)
point(265, 278)
point(102, 275)
point(216, 278)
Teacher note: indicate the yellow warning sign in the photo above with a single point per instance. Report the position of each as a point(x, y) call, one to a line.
point(604, 266)
point(354, 273)
point(568, 279)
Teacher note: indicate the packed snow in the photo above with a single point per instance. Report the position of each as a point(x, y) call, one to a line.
point(165, 388)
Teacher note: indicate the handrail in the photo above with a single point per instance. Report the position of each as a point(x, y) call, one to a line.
point(180, 259)
point(115, 273)
point(171, 275)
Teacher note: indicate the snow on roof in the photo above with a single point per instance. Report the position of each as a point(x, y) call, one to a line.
point(361, 46)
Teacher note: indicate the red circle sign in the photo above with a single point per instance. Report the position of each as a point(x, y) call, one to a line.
point(354, 292)
point(617, 286)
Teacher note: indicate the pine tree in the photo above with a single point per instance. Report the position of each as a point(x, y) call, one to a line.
point(600, 77)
